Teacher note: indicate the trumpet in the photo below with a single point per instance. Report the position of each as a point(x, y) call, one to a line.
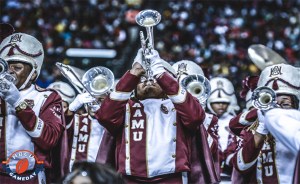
point(264, 98)
point(198, 86)
point(96, 81)
point(4, 74)
point(3, 66)
point(148, 19)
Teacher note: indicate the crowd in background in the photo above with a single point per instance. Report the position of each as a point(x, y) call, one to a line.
point(214, 34)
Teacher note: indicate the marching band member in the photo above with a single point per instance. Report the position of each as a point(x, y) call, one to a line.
point(242, 121)
point(222, 102)
point(88, 140)
point(31, 118)
point(261, 158)
point(153, 130)
point(205, 141)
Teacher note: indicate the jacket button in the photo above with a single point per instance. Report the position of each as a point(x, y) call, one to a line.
point(174, 139)
point(174, 123)
point(173, 155)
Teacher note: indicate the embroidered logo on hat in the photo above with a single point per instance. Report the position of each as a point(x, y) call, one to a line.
point(15, 38)
point(276, 70)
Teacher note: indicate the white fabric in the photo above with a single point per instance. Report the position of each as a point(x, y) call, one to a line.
point(115, 95)
point(95, 140)
point(127, 138)
point(159, 135)
point(284, 125)
point(180, 97)
point(285, 161)
point(156, 63)
point(38, 129)
point(81, 99)
point(10, 93)
point(223, 130)
point(242, 119)
point(66, 92)
point(218, 86)
point(261, 128)
point(285, 72)
point(27, 44)
point(191, 68)
point(139, 58)
point(17, 138)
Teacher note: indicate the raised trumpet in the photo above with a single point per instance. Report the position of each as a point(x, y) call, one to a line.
point(148, 19)
point(264, 98)
point(198, 86)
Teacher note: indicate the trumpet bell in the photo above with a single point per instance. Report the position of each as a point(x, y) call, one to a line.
point(148, 18)
point(3, 66)
point(263, 98)
point(98, 80)
point(198, 86)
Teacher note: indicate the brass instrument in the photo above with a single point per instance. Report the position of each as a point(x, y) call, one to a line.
point(263, 56)
point(4, 74)
point(148, 19)
point(96, 81)
point(264, 98)
point(198, 86)
point(3, 66)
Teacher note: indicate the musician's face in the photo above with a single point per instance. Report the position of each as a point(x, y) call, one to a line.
point(219, 108)
point(20, 72)
point(149, 89)
point(285, 101)
point(65, 106)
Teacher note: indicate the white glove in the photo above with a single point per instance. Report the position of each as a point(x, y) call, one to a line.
point(95, 107)
point(80, 99)
point(261, 128)
point(139, 58)
point(9, 92)
point(156, 63)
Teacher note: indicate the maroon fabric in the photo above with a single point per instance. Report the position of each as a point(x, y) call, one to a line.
point(129, 82)
point(236, 127)
point(202, 163)
point(168, 84)
point(138, 163)
point(5, 30)
point(84, 129)
point(296, 179)
point(106, 153)
point(249, 83)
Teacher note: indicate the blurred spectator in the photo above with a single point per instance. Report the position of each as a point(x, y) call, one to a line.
point(215, 34)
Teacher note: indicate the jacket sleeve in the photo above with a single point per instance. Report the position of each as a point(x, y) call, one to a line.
point(188, 108)
point(284, 125)
point(47, 128)
point(111, 114)
point(242, 120)
point(245, 158)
